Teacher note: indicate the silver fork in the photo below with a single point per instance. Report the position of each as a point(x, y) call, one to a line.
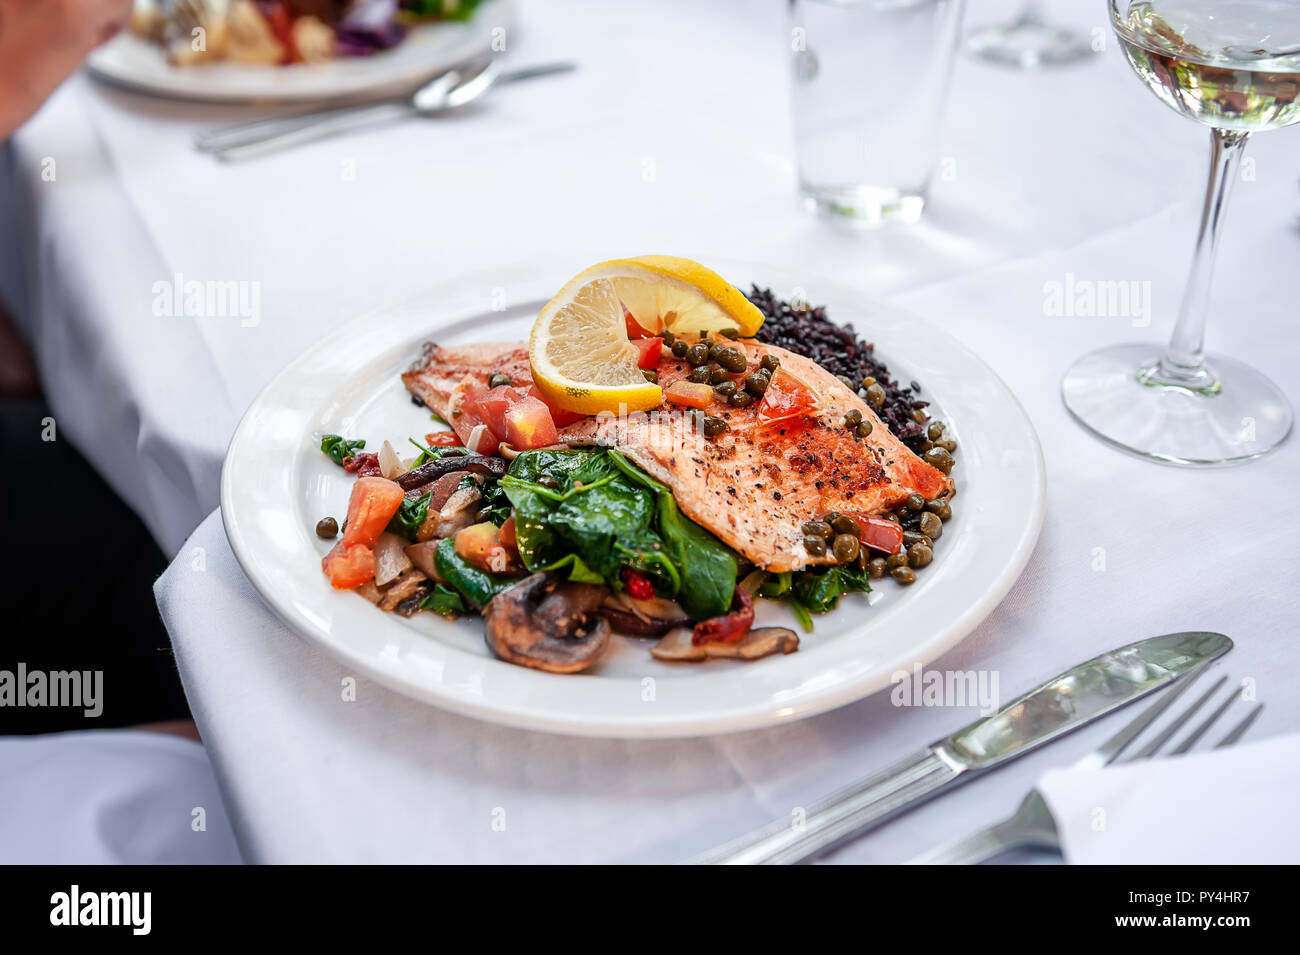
point(1032, 824)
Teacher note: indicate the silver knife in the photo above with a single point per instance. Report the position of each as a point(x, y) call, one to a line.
point(1064, 703)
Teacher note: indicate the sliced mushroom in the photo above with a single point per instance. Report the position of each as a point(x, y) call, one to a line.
point(453, 459)
point(459, 511)
point(440, 492)
point(423, 556)
point(652, 617)
point(546, 624)
point(679, 645)
point(411, 584)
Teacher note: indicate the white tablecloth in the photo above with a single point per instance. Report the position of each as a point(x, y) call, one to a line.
point(674, 136)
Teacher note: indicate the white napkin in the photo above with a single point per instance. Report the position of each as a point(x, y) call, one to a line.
point(1235, 805)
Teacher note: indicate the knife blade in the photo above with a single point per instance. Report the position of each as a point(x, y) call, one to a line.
point(1064, 703)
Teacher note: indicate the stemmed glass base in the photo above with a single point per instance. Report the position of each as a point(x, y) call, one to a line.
point(1028, 43)
point(1222, 413)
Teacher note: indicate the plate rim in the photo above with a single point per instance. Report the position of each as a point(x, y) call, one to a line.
point(749, 717)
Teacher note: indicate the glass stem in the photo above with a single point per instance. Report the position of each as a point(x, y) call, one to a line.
point(1184, 360)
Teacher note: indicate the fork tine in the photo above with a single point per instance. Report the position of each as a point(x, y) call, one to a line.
point(1204, 728)
point(1106, 753)
point(1240, 730)
point(1154, 746)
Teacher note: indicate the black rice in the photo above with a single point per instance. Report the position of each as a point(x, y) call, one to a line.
point(805, 330)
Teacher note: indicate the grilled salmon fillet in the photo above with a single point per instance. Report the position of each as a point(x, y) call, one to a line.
point(754, 485)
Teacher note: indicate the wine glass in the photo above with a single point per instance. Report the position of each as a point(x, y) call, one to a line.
point(1234, 66)
point(1029, 41)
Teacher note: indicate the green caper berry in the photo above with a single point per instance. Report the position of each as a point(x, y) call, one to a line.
point(940, 458)
point(846, 548)
point(931, 526)
point(755, 384)
point(896, 560)
point(893, 517)
point(818, 529)
point(699, 375)
point(770, 362)
point(732, 333)
point(852, 418)
point(498, 379)
point(868, 381)
point(935, 431)
point(680, 348)
point(948, 444)
point(326, 528)
point(725, 389)
point(875, 396)
point(668, 337)
point(843, 524)
point(904, 575)
point(715, 348)
point(718, 375)
point(740, 399)
point(816, 546)
point(915, 502)
point(698, 354)
point(916, 537)
point(877, 568)
point(714, 426)
point(919, 415)
point(940, 509)
point(732, 359)
point(919, 555)
point(864, 429)
point(548, 482)
point(650, 375)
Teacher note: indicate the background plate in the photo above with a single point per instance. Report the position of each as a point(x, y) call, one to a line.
point(129, 61)
point(276, 485)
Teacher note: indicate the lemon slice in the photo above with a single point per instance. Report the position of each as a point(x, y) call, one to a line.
point(581, 358)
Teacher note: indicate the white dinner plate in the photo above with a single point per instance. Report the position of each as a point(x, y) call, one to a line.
point(135, 63)
point(277, 484)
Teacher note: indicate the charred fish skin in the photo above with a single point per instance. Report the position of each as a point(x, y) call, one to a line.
point(755, 484)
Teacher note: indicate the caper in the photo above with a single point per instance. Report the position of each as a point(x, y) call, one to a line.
point(715, 349)
point(915, 537)
point(868, 381)
point(875, 396)
point(896, 560)
point(891, 516)
point(740, 399)
point(698, 354)
point(843, 524)
point(714, 426)
point(940, 458)
point(904, 575)
point(940, 508)
point(498, 379)
point(919, 415)
point(948, 444)
point(680, 348)
point(915, 502)
point(327, 527)
point(725, 389)
point(830, 517)
point(732, 333)
point(864, 429)
point(877, 568)
point(733, 359)
point(770, 362)
point(668, 337)
point(718, 375)
point(846, 548)
point(931, 526)
point(755, 383)
point(699, 374)
point(650, 375)
point(549, 482)
point(852, 418)
point(935, 431)
point(919, 555)
point(817, 529)
point(816, 546)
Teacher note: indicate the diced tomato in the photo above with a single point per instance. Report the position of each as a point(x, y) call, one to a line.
point(880, 534)
point(558, 415)
point(529, 425)
point(731, 626)
point(650, 350)
point(480, 545)
point(373, 503)
point(364, 464)
point(637, 584)
point(634, 329)
point(465, 418)
point(786, 397)
point(492, 407)
point(482, 441)
point(689, 393)
point(507, 533)
point(441, 439)
point(348, 565)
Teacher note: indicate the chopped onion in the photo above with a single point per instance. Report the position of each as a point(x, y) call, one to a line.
point(390, 558)
point(390, 465)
